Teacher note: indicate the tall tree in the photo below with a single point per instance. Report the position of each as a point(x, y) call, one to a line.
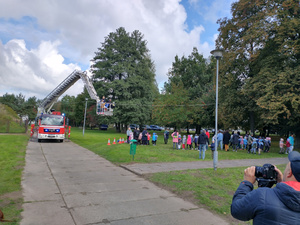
point(195, 74)
point(123, 71)
point(172, 108)
point(258, 76)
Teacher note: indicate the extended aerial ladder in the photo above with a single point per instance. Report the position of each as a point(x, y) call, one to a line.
point(102, 108)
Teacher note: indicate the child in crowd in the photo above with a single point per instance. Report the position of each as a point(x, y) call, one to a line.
point(130, 136)
point(140, 138)
point(196, 141)
point(154, 138)
point(267, 144)
point(192, 140)
point(179, 141)
point(175, 139)
point(212, 147)
point(149, 137)
point(287, 145)
point(281, 146)
point(189, 142)
point(183, 142)
point(241, 142)
point(260, 145)
point(250, 141)
point(257, 144)
point(245, 143)
point(254, 146)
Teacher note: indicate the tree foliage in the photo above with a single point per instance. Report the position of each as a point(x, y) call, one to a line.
point(24, 108)
point(189, 88)
point(260, 70)
point(123, 71)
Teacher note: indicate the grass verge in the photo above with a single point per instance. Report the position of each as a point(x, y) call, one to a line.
point(12, 161)
point(206, 188)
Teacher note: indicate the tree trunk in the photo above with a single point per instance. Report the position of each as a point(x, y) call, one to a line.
point(198, 129)
point(26, 126)
point(268, 133)
point(118, 127)
point(252, 122)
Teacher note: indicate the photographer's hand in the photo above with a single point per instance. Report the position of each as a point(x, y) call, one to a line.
point(249, 174)
point(279, 175)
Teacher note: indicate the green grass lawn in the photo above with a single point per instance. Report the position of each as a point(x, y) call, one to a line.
point(14, 127)
point(96, 141)
point(11, 165)
point(205, 187)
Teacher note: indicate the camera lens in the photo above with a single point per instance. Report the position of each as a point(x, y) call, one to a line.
point(259, 171)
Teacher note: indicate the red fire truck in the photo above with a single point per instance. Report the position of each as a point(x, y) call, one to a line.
point(51, 124)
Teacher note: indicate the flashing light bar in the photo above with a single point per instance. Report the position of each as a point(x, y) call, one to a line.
point(52, 130)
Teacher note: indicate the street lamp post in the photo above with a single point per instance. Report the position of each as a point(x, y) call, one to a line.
point(217, 53)
point(84, 117)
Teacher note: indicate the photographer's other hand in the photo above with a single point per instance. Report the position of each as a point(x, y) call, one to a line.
point(279, 175)
point(249, 174)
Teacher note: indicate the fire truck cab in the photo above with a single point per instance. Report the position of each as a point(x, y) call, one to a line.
point(51, 126)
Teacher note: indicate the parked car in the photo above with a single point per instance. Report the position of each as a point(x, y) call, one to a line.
point(133, 126)
point(103, 127)
point(155, 127)
point(147, 126)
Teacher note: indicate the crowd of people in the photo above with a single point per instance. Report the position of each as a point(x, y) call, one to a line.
point(142, 138)
point(251, 143)
point(223, 140)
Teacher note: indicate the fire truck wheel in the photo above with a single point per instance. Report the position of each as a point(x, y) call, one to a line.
point(61, 140)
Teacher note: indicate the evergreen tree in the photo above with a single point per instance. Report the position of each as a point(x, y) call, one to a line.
point(124, 72)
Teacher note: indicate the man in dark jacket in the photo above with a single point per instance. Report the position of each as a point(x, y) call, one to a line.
point(136, 133)
point(278, 205)
point(202, 142)
point(166, 136)
point(226, 138)
point(235, 141)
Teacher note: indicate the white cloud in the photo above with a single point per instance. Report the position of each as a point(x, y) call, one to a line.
point(73, 30)
point(36, 71)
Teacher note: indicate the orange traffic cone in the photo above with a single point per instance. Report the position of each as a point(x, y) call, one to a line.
point(120, 141)
point(114, 141)
point(108, 142)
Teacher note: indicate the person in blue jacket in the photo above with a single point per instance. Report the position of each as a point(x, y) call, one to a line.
point(154, 138)
point(278, 205)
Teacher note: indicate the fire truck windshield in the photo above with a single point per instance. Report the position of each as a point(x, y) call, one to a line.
point(54, 120)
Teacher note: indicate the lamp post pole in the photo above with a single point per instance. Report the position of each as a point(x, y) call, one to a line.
point(217, 53)
point(84, 117)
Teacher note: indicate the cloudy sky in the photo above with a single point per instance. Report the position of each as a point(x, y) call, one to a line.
point(43, 41)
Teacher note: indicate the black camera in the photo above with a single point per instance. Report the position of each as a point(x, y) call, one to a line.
point(266, 175)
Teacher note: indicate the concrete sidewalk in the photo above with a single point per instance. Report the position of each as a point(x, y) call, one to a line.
point(144, 168)
point(65, 184)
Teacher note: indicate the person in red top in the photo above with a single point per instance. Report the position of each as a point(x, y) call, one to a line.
point(207, 134)
point(287, 145)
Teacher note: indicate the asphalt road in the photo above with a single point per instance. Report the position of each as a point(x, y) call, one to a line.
point(65, 184)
